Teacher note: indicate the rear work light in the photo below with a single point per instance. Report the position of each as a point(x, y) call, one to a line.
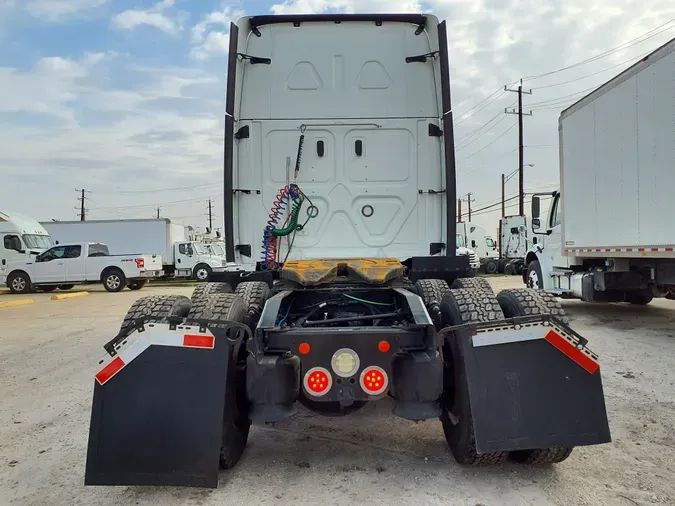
point(140, 263)
point(374, 380)
point(318, 381)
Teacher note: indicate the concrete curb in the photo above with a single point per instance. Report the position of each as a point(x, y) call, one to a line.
point(19, 302)
point(69, 295)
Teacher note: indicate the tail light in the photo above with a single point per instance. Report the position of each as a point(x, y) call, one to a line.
point(140, 263)
point(374, 380)
point(318, 381)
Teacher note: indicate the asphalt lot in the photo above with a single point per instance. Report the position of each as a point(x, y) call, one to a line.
point(49, 352)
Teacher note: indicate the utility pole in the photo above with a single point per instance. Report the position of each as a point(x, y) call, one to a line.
point(468, 200)
point(521, 158)
point(210, 217)
point(158, 213)
point(82, 198)
point(503, 206)
point(459, 210)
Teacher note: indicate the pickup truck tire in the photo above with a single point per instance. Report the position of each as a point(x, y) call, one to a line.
point(236, 422)
point(113, 280)
point(66, 287)
point(204, 289)
point(255, 294)
point(472, 283)
point(458, 307)
point(19, 282)
point(156, 308)
point(201, 272)
point(137, 285)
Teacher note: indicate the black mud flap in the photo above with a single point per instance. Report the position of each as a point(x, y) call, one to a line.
point(532, 384)
point(157, 414)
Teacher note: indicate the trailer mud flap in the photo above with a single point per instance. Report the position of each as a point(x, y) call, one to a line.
point(532, 384)
point(157, 414)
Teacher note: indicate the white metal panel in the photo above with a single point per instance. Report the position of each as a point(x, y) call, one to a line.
point(347, 70)
point(617, 152)
point(343, 82)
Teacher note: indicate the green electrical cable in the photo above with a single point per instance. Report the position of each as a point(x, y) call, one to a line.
point(292, 222)
point(367, 301)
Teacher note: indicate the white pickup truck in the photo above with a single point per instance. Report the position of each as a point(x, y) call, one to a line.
point(65, 265)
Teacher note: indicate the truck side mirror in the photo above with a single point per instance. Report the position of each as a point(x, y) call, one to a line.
point(535, 209)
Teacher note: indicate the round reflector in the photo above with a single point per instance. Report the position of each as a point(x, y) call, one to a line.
point(374, 380)
point(304, 348)
point(318, 381)
point(345, 362)
point(383, 346)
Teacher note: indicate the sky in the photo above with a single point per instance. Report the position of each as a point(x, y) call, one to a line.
point(125, 98)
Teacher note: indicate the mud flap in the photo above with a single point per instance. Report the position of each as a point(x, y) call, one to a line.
point(532, 384)
point(157, 414)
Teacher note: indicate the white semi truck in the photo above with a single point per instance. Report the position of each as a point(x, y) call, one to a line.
point(21, 238)
point(482, 245)
point(182, 258)
point(514, 244)
point(608, 235)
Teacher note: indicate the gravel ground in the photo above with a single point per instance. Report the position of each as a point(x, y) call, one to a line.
point(48, 356)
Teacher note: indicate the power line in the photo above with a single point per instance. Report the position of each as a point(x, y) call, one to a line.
point(153, 190)
point(156, 204)
point(613, 50)
point(490, 143)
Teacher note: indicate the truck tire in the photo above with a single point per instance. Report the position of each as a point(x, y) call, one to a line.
point(501, 264)
point(472, 283)
point(66, 287)
point(254, 294)
point(138, 284)
point(553, 455)
point(19, 282)
point(201, 272)
point(534, 278)
point(461, 306)
point(156, 308)
point(113, 280)
point(236, 422)
point(639, 298)
point(527, 302)
point(203, 289)
point(431, 290)
point(491, 267)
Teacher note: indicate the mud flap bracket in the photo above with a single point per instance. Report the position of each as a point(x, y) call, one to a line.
point(527, 389)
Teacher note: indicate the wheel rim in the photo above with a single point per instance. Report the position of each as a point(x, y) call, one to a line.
point(18, 284)
point(114, 282)
point(533, 279)
point(202, 274)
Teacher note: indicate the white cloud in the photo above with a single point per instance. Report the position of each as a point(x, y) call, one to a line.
point(155, 17)
point(211, 35)
point(345, 6)
point(54, 10)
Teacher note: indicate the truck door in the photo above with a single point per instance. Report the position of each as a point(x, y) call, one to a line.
point(184, 255)
point(11, 248)
point(553, 246)
point(75, 264)
point(50, 266)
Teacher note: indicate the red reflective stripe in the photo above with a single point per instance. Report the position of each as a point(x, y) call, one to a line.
point(196, 341)
point(572, 352)
point(655, 249)
point(110, 370)
point(669, 249)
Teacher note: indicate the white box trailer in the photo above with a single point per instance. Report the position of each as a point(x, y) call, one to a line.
point(181, 258)
point(610, 235)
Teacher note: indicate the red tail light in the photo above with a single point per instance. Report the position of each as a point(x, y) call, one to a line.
point(374, 380)
point(318, 381)
point(140, 263)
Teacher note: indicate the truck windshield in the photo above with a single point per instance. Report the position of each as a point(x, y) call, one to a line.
point(459, 242)
point(489, 242)
point(217, 250)
point(37, 241)
point(200, 249)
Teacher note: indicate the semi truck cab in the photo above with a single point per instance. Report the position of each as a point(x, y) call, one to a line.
point(20, 238)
